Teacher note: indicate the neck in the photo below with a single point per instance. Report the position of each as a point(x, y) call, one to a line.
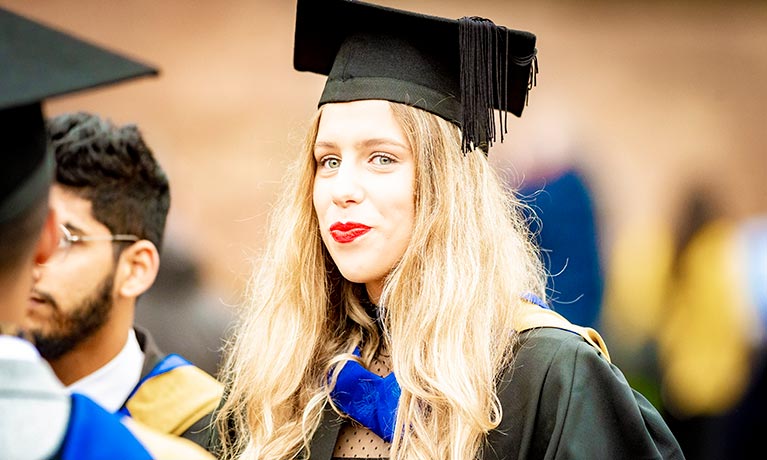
point(96, 351)
point(374, 291)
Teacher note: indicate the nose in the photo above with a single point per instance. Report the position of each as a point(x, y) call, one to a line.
point(37, 273)
point(347, 187)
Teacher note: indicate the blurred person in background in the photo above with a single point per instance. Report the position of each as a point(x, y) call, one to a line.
point(641, 278)
point(551, 178)
point(688, 303)
point(713, 346)
point(562, 217)
point(182, 314)
point(39, 419)
point(112, 199)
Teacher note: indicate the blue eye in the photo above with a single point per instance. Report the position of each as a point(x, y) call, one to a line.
point(330, 162)
point(382, 159)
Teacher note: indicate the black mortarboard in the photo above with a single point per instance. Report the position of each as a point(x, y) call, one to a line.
point(459, 69)
point(36, 63)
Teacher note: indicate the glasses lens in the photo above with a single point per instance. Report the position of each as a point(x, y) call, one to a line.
point(63, 242)
point(63, 248)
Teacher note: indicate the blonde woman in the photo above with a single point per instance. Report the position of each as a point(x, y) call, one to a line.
point(393, 314)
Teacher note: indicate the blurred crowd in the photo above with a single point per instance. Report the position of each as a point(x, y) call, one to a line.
point(682, 302)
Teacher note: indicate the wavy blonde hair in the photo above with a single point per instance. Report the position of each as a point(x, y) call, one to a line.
point(447, 310)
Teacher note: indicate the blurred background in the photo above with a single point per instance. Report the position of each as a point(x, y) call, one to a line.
point(643, 153)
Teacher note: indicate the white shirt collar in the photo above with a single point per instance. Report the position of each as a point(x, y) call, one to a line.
point(111, 385)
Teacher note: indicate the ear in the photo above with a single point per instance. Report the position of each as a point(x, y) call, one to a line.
point(49, 239)
point(137, 268)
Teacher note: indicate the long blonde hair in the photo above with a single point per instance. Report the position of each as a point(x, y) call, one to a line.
point(447, 310)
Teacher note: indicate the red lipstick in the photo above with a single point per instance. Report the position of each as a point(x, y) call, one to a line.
point(347, 232)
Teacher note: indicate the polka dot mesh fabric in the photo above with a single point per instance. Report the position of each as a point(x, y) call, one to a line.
point(356, 441)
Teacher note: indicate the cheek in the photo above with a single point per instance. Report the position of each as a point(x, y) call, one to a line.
point(404, 219)
point(319, 208)
point(408, 206)
point(77, 276)
point(69, 286)
point(318, 198)
point(406, 229)
point(322, 200)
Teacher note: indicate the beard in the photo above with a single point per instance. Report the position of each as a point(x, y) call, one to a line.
point(70, 329)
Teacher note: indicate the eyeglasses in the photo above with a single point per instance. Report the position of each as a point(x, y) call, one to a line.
point(67, 240)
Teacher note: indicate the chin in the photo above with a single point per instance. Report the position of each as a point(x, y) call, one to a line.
point(355, 277)
point(33, 322)
point(359, 276)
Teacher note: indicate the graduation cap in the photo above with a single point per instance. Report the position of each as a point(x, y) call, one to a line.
point(36, 63)
point(461, 70)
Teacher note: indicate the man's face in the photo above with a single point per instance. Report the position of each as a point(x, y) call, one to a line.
point(73, 292)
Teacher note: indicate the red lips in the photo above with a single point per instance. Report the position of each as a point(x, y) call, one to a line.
point(347, 232)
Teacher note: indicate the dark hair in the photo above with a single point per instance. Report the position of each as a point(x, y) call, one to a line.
point(113, 168)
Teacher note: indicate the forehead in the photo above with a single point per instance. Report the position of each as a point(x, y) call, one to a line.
point(73, 210)
point(370, 118)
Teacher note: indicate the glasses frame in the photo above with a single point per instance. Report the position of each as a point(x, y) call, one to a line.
point(67, 240)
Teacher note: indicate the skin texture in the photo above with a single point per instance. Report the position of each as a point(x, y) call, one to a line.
point(365, 174)
point(16, 282)
point(82, 306)
point(71, 279)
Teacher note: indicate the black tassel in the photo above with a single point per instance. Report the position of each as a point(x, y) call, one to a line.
point(479, 75)
point(532, 79)
point(485, 79)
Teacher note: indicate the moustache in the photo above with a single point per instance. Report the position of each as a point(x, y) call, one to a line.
point(45, 298)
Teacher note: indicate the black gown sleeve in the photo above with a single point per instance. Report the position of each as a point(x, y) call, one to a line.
point(562, 400)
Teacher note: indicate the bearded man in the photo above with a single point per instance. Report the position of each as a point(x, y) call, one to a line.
point(112, 198)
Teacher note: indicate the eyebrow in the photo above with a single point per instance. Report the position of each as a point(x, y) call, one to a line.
point(324, 144)
point(73, 228)
point(367, 143)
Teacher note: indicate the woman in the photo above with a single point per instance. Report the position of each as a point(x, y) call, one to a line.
point(395, 248)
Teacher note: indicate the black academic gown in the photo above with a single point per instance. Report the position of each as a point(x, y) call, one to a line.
point(561, 400)
point(201, 431)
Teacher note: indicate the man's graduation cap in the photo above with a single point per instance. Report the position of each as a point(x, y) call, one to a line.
point(460, 70)
point(36, 63)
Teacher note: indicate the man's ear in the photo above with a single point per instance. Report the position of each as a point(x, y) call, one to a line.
point(49, 239)
point(137, 269)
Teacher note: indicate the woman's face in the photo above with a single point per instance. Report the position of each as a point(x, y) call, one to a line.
point(364, 190)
